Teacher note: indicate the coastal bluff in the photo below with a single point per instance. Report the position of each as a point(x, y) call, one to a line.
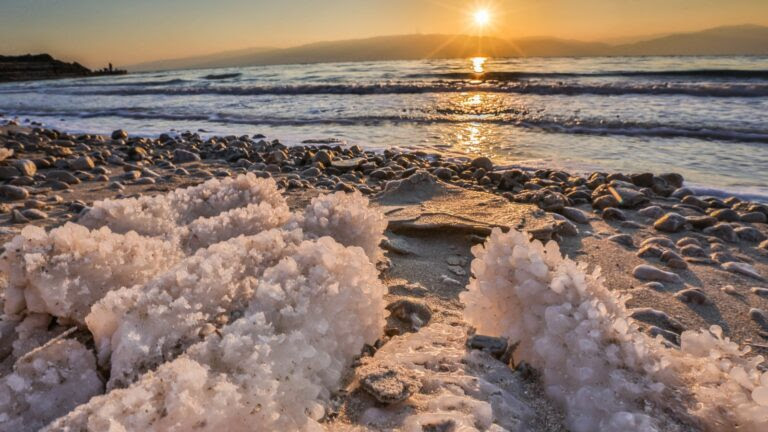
point(42, 67)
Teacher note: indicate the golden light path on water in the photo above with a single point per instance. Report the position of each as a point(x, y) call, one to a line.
point(478, 64)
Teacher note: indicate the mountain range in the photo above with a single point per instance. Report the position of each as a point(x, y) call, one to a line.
point(730, 40)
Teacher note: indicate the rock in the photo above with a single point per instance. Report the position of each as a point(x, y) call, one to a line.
point(666, 334)
point(130, 175)
point(605, 201)
point(495, 346)
point(34, 214)
point(347, 164)
point(8, 172)
point(388, 383)
point(18, 218)
point(743, 269)
point(763, 245)
point(701, 222)
point(566, 228)
point(57, 185)
point(695, 202)
point(651, 273)
point(724, 231)
point(729, 289)
point(754, 217)
point(656, 286)
point(623, 239)
point(612, 213)
point(750, 234)
point(62, 176)
point(119, 134)
point(674, 179)
point(311, 172)
point(323, 157)
point(642, 180)
point(25, 166)
point(442, 173)
point(657, 317)
point(650, 251)
point(659, 240)
point(692, 250)
point(414, 314)
point(83, 163)
point(681, 193)
point(184, 156)
point(760, 317)
point(34, 204)
point(116, 185)
point(551, 201)
point(726, 215)
point(670, 222)
point(685, 241)
point(758, 291)
point(653, 212)
point(14, 193)
point(575, 215)
point(628, 198)
point(693, 295)
point(482, 162)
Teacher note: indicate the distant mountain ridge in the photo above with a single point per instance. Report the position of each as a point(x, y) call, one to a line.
point(728, 40)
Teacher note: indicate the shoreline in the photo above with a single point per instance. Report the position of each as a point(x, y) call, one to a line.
point(688, 261)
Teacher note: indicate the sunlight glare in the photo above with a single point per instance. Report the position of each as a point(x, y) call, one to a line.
point(482, 17)
point(478, 64)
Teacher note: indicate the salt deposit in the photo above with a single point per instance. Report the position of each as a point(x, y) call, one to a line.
point(212, 306)
point(607, 374)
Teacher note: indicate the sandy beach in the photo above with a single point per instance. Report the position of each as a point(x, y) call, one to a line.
point(688, 262)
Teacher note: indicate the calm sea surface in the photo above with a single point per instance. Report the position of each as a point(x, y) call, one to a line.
point(705, 117)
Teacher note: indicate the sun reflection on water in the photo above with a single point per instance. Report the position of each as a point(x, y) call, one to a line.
point(478, 64)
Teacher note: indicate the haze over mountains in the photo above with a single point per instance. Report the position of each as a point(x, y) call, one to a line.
point(731, 40)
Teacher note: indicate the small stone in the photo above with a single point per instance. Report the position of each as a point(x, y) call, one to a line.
point(701, 222)
point(25, 167)
point(623, 239)
point(34, 214)
point(659, 240)
point(612, 213)
point(763, 245)
point(388, 383)
point(650, 251)
point(495, 346)
point(651, 273)
point(670, 222)
point(414, 314)
point(743, 269)
point(482, 162)
point(674, 179)
point(8, 172)
point(653, 212)
point(656, 286)
point(657, 317)
point(130, 175)
point(62, 176)
point(82, 163)
point(726, 215)
point(628, 198)
point(119, 134)
point(695, 202)
point(116, 186)
point(575, 215)
point(760, 317)
point(604, 202)
point(685, 241)
point(750, 234)
point(14, 193)
point(666, 334)
point(18, 218)
point(693, 295)
point(729, 289)
point(323, 157)
point(443, 173)
point(692, 251)
point(184, 156)
point(759, 291)
point(681, 193)
point(754, 217)
point(724, 231)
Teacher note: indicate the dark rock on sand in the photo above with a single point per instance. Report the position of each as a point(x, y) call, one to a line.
point(14, 193)
point(651, 273)
point(670, 222)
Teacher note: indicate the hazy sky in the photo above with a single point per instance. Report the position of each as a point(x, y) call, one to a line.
point(129, 31)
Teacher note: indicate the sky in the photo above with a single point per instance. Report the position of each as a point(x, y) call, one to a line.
point(125, 32)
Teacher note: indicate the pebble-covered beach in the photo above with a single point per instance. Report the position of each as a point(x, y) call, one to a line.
point(688, 261)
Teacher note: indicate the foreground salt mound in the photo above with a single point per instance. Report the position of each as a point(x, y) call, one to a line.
point(608, 375)
point(218, 289)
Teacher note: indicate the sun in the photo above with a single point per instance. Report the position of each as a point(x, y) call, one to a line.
point(482, 17)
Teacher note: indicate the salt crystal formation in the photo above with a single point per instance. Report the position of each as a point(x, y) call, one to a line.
point(608, 375)
point(210, 307)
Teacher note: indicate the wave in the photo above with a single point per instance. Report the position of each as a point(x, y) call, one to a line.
point(543, 124)
point(517, 75)
point(222, 76)
point(551, 88)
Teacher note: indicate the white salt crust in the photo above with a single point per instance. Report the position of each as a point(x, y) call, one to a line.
point(607, 374)
point(246, 322)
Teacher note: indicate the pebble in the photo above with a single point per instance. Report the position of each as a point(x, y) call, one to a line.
point(62, 176)
point(750, 234)
point(657, 317)
point(762, 292)
point(658, 240)
point(754, 217)
point(628, 198)
point(25, 167)
point(119, 134)
point(685, 241)
point(681, 193)
point(184, 156)
point(82, 163)
point(656, 286)
point(693, 201)
point(724, 231)
point(760, 317)
point(726, 215)
point(651, 273)
point(575, 215)
point(729, 289)
point(14, 193)
point(412, 313)
point(670, 222)
point(8, 172)
point(34, 214)
point(604, 202)
point(612, 213)
point(743, 269)
point(701, 222)
point(482, 162)
point(693, 295)
point(652, 212)
point(666, 334)
point(57, 185)
point(650, 251)
point(692, 250)
point(623, 239)
point(116, 186)
point(18, 217)
point(763, 245)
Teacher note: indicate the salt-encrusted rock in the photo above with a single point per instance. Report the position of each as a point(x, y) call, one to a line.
point(412, 313)
point(666, 334)
point(652, 212)
point(657, 317)
point(674, 179)
point(388, 383)
point(83, 163)
point(670, 222)
point(575, 215)
point(750, 234)
point(184, 156)
point(743, 269)
point(14, 193)
point(693, 295)
point(651, 273)
point(47, 383)
point(495, 346)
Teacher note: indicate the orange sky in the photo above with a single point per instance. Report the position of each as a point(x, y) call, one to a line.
point(97, 31)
